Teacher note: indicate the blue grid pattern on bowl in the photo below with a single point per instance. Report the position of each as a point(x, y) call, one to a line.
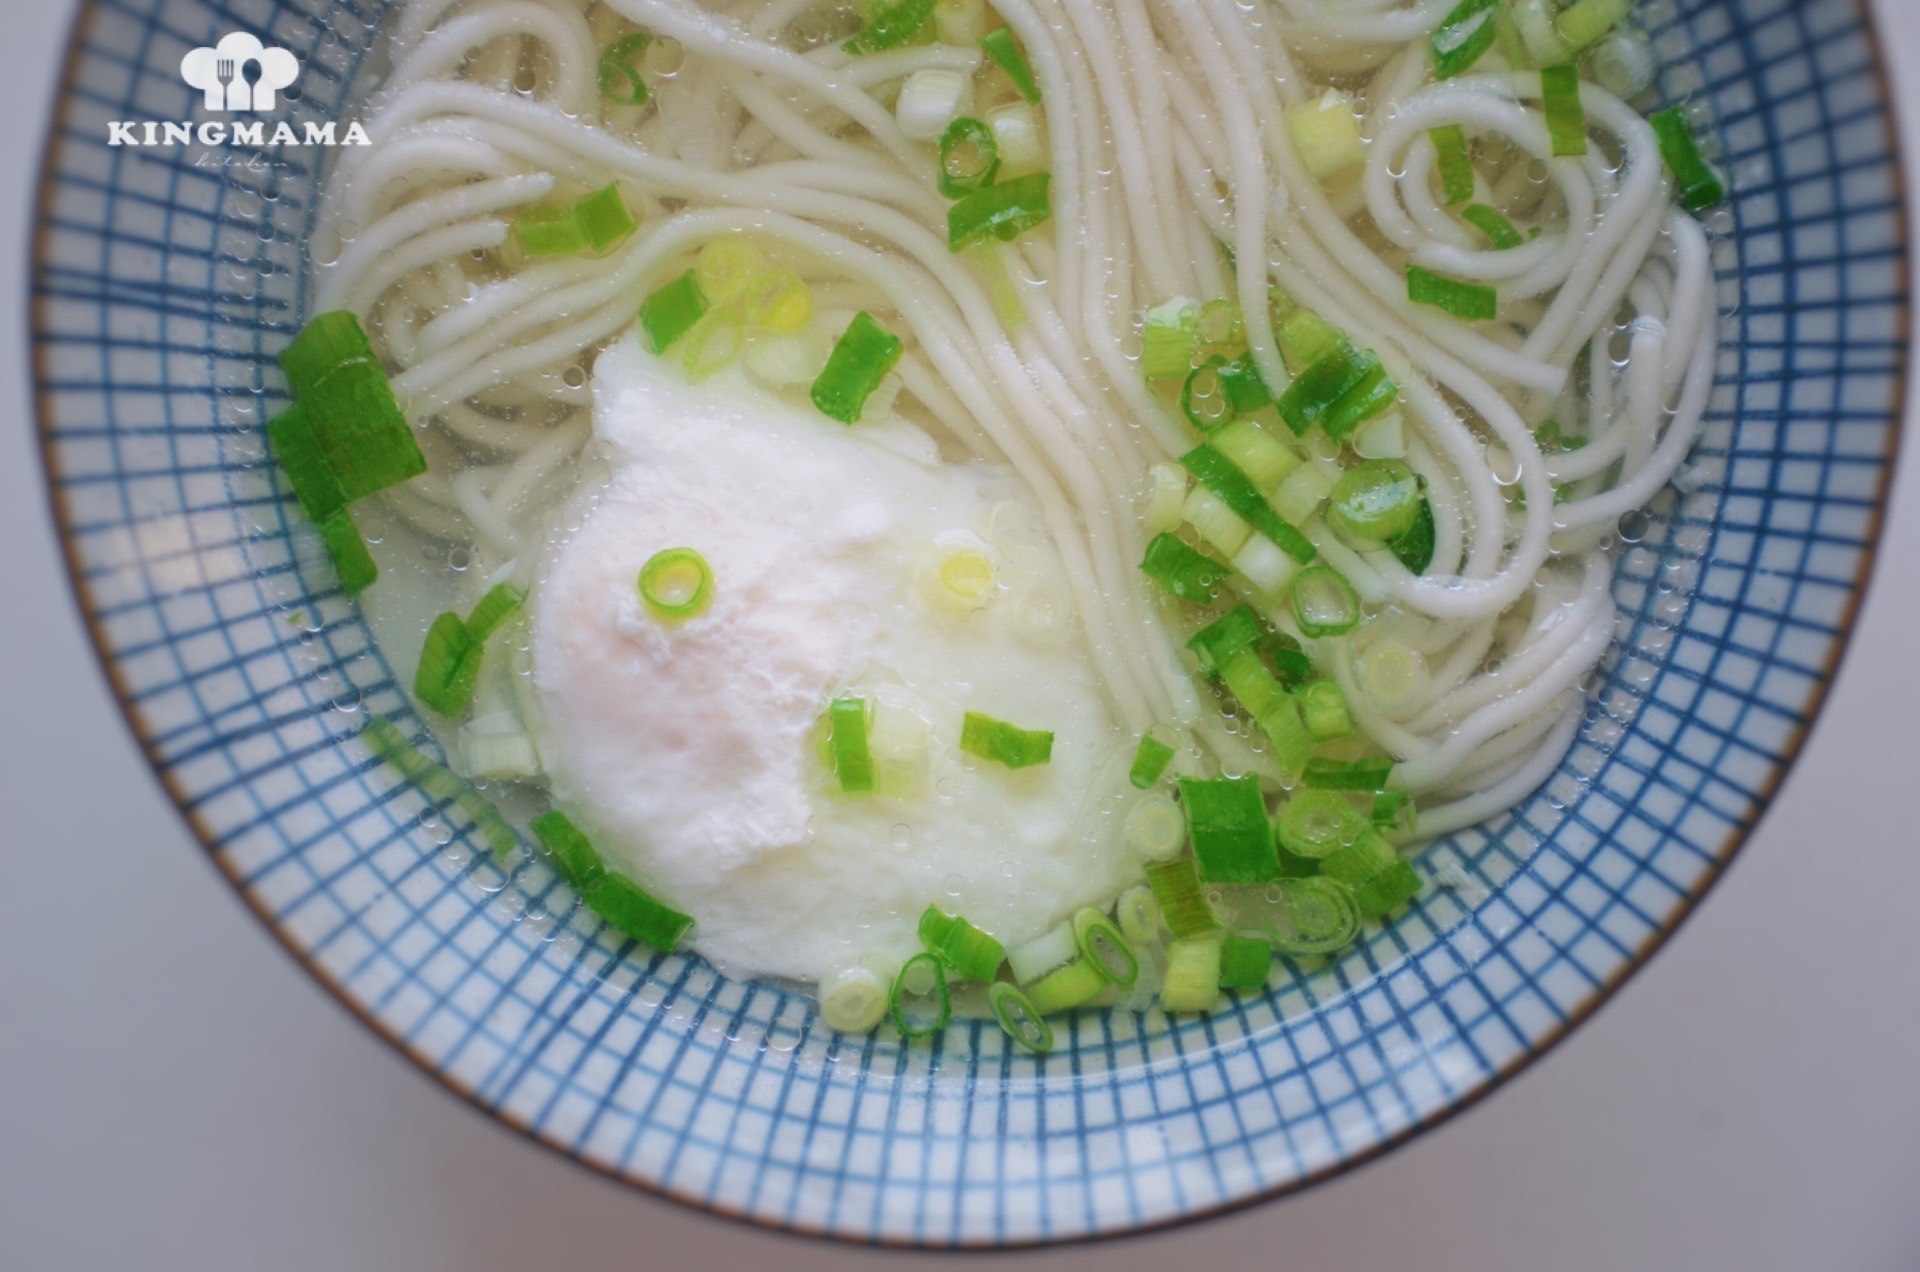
point(165, 283)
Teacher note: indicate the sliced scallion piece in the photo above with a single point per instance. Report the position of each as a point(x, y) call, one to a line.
point(1586, 21)
point(1227, 820)
point(1472, 302)
point(971, 953)
point(1204, 399)
point(1366, 774)
point(778, 302)
point(849, 753)
point(676, 583)
point(1018, 1017)
point(919, 1001)
point(969, 157)
point(1237, 629)
point(1315, 391)
point(1067, 987)
point(1324, 708)
point(1155, 828)
point(1699, 184)
point(1455, 162)
point(1463, 36)
point(1316, 824)
point(1150, 760)
point(1167, 339)
point(853, 999)
point(574, 855)
point(1183, 906)
point(327, 343)
point(1004, 211)
point(1360, 860)
point(1497, 228)
point(1394, 810)
point(1244, 962)
point(1008, 56)
point(890, 25)
point(670, 312)
point(449, 666)
point(1387, 891)
point(1264, 458)
point(1139, 915)
point(861, 358)
point(305, 464)
point(549, 231)
point(349, 552)
point(1181, 571)
point(500, 603)
point(1320, 917)
point(726, 267)
point(1104, 948)
point(628, 908)
point(1374, 395)
point(1324, 603)
point(1223, 477)
point(1304, 338)
point(1374, 502)
point(1566, 120)
point(1193, 974)
point(1007, 744)
point(358, 425)
point(604, 218)
point(1414, 546)
point(620, 80)
point(1034, 958)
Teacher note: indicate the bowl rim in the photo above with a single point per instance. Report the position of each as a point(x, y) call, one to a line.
point(38, 253)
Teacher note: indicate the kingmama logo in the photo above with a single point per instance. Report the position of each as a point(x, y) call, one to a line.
point(239, 75)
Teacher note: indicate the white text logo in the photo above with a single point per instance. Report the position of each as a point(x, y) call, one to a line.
point(240, 73)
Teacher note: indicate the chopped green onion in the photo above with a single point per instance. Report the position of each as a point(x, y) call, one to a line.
point(1167, 339)
point(449, 666)
point(890, 25)
point(1455, 162)
point(1244, 963)
point(1533, 19)
point(1289, 662)
point(1237, 629)
point(1004, 211)
point(1325, 710)
point(850, 755)
point(1387, 891)
point(1271, 706)
point(1193, 974)
point(960, 945)
point(1320, 917)
point(1324, 603)
point(1374, 502)
point(604, 218)
point(1018, 1017)
point(1227, 819)
point(1023, 146)
point(1497, 228)
point(1623, 64)
point(676, 583)
point(1181, 571)
point(358, 426)
point(327, 343)
point(1360, 860)
point(726, 267)
point(930, 99)
point(919, 1002)
point(996, 740)
point(1032, 959)
point(1183, 906)
point(1368, 774)
point(349, 552)
point(1267, 569)
point(861, 358)
point(1304, 338)
point(1566, 121)
point(960, 21)
point(715, 342)
point(1156, 829)
point(1067, 987)
point(1139, 915)
point(670, 312)
point(969, 157)
point(853, 999)
point(620, 80)
point(1699, 184)
point(1103, 947)
point(1218, 328)
point(1585, 21)
point(1265, 459)
point(1150, 760)
point(1394, 810)
point(574, 855)
point(439, 783)
point(305, 464)
point(1218, 526)
point(496, 607)
point(1224, 478)
point(1006, 53)
point(1315, 391)
point(1326, 135)
point(1204, 399)
point(1316, 824)
point(1463, 36)
point(1374, 395)
point(550, 231)
point(1474, 302)
point(630, 909)
point(779, 303)
point(1551, 440)
point(1414, 546)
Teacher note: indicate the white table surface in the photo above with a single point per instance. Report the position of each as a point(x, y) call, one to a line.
point(176, 1093)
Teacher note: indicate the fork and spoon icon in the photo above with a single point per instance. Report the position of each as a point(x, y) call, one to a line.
point(227, 71)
